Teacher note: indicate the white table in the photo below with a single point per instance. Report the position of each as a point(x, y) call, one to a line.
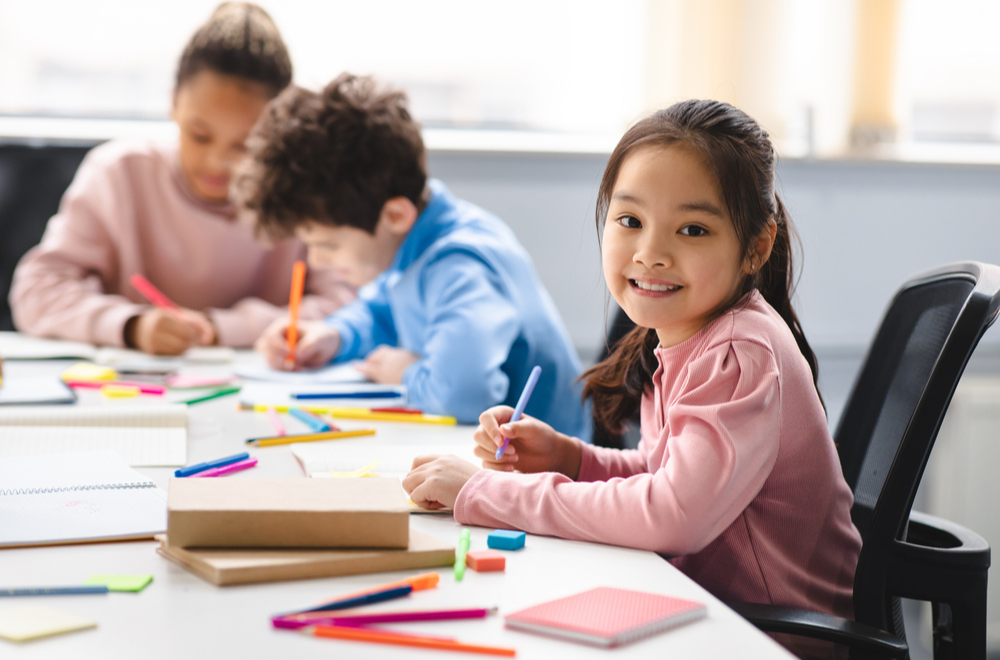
point(181, 616)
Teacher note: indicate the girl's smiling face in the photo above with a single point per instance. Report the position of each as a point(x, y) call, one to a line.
point(670, 254)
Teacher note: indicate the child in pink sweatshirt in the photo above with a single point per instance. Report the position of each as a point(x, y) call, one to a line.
point(163, 211)
point(736, 478)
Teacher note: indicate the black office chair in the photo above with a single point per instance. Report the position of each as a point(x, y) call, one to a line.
point(33, 178)
point(884, 438)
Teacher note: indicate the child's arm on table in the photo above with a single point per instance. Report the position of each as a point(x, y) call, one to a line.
point(715, 461)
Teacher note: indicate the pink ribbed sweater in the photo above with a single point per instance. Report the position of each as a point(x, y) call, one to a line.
point(736, 476)
point(130, 210)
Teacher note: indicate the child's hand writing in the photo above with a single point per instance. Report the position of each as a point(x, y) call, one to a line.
point(316, 346)
point(534, 445)
point(386, 365)
point(435, 481)
point(161, 332)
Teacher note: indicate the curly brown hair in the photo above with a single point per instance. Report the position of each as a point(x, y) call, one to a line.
point(334, 157)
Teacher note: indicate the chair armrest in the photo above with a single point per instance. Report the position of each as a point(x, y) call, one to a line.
point(859, 636)
point(932, 532)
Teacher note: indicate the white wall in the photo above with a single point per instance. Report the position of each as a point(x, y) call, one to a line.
point(866, 226)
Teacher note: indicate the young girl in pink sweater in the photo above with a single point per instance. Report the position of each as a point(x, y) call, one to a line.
point(163, 211)
point(736, 478)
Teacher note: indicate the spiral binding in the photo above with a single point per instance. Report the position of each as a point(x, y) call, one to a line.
point(67, 489)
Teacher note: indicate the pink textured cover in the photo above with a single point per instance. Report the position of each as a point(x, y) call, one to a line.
point(606, 616)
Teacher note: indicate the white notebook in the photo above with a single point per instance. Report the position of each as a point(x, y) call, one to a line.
point(319, 459)
point(15, 346)
point(141, 435)
point(76, 498)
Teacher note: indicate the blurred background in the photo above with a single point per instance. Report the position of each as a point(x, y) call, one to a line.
point(885, 115)
point(822, 75)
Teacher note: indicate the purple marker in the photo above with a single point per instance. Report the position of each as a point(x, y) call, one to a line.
point(521, 403)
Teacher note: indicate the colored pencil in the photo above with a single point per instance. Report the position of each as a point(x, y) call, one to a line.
point(227, 469)
point(386, 637)
point(366, 414)
point(279, 428)
point(224, 391)
point(209, 465)
point(54, 591)
point(144, 388)
point(154, 295)
point(294, 301)
point(308, 437)
point(303, 620)
point(522, 401)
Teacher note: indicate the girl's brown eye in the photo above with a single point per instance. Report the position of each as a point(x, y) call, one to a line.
point(694, 230)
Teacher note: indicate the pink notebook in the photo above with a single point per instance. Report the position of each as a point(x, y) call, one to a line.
point(606, 616)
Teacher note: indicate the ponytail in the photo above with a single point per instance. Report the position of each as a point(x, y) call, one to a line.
point(776, 283)
point(617, 383)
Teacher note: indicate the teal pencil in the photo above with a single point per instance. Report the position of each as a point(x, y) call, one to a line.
point(224, 391)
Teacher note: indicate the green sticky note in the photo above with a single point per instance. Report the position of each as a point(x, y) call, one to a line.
point(120, 582)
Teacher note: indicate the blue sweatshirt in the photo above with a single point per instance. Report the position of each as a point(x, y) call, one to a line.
point(463, 294)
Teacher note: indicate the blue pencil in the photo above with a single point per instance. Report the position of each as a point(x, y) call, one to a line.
point(208, 465)
point(309, 419)
point(374, 394)
point(521, 403)
point(55, 591)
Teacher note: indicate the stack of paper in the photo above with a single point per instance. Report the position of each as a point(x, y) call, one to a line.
point(141, 435)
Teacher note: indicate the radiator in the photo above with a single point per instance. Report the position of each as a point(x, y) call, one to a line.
point(961, 482)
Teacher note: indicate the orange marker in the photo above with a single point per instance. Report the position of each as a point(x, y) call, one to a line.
point(294, 301)
point(403, 639)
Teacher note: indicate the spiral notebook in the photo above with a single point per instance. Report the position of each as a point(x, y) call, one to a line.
point(606, 616)
point(76, 498)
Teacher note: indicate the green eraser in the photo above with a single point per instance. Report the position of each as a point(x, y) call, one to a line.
point(120, 582)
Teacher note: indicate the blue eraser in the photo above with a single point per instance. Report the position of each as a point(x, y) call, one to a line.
point(505, 539)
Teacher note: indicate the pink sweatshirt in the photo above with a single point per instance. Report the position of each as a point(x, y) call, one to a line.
point(736, 476)
point(130, 210)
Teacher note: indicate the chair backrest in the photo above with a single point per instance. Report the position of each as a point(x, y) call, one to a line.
point(33, 178)
point(893, 415)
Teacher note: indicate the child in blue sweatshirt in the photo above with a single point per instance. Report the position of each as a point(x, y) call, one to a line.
point(451, 306)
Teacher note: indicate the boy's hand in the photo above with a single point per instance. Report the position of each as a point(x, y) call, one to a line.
point(386, 365)
point(316, 346)
point(160, 332)
point(435, 481)
point(534, 445)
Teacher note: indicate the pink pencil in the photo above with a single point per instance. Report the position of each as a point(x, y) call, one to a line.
point(226, 469)
point(279, 428)
point(302, 621)
point(154, 295)
point(145, 388)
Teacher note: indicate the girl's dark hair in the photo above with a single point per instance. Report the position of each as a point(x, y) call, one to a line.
point(738, 151)
point(238, 40)
point(334, 157)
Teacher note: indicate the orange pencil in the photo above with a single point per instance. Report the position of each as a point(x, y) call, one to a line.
point(294, 301)
point(386, 637)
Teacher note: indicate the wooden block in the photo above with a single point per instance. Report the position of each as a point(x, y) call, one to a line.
point(483, 561)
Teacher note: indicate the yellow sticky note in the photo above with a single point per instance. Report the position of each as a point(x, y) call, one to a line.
point(86, 371)
point(20, 624)
point(120, 391)
point(360, 472)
